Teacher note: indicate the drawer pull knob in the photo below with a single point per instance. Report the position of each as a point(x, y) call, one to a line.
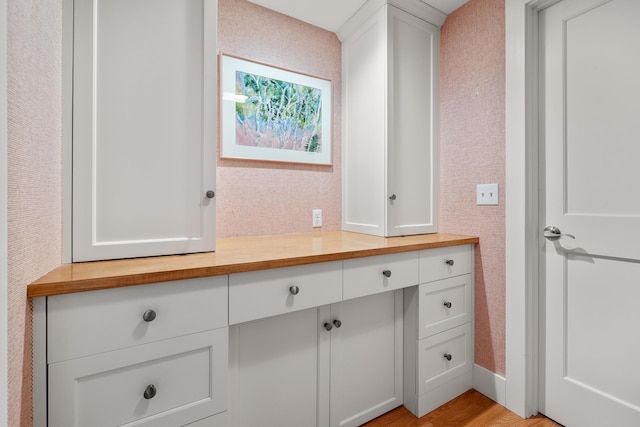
point(328, 326)
point(386, 273)
point(149, 315)
point(447, 356)
point(210, 194)
point(449, 262)
point(337, 323)
point(150, 392)
point(294, 290)
point(447, 304)
point(392, 197)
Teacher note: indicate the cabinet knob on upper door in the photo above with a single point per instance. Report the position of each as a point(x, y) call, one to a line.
point(392, 197)
point(149, 315)
point(211, 194)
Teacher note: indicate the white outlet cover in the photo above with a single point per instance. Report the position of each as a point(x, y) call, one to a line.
point(487, 194)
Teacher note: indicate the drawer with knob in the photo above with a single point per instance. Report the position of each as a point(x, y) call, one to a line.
point(372, 275)
point(259, 294)
point(441, 263)
point(86, 323)
point(166, 383)
point(443, 357)
point(444, 304)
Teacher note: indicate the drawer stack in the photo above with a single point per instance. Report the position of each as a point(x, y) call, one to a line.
point(145, 355)
point(438, 332)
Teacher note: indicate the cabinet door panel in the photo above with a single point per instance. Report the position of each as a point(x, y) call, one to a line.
point(189, 375)
point(144, 127)
point(413, 125)
point(279, 371)
point(366, 358)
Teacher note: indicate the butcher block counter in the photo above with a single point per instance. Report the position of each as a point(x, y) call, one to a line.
point(234, 255)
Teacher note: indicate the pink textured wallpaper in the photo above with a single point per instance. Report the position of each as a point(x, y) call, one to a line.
point(35, 175)
point(472, 148)
point(261, 198)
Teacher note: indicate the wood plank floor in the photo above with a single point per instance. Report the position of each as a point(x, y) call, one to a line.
point(471, 409)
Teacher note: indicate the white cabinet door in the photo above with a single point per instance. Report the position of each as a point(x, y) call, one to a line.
point(144, 127)
point(279, 371)
point(390, 124)
point(366, 358)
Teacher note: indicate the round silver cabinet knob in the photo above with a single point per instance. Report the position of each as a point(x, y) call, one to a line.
point(447, 304)
point(150, 392)
point(447, 356)
point(392, 197)
point(149, 315)
point(328, 326)
point(211, 194)
point(449, 262)
point(337, 323)
point(386, 273)
point(294, 290)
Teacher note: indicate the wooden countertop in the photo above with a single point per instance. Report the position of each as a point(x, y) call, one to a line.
point(233, 255)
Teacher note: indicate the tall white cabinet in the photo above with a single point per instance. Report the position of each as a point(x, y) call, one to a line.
point(390, 123)
point(144, 127)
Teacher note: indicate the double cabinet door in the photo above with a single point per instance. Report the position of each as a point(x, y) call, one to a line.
point(334, 365)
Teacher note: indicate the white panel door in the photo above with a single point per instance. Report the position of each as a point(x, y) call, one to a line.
point(590, 87)
point(144, 127)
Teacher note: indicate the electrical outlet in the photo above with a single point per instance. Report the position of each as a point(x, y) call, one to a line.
point(316, 216)
point(487, 194)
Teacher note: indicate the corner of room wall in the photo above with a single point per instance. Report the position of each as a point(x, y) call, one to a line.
point(472, 151)
point(262, 198)
point(34, 199)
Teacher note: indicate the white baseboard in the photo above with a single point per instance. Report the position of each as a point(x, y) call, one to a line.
point(490, 384)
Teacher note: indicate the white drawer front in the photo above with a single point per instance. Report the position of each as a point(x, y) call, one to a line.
point(441, 263)
point(189, 375)
point(220, 420)
point(372, 275)
point(433, 367)
point(444, 304)
point(259, 294)
point(88, 323)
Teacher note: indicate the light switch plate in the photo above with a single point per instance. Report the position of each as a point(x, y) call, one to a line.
point(487, 194)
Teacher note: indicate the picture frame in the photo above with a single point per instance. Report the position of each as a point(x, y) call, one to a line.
point(272, 114)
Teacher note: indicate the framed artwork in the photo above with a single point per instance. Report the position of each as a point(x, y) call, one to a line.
point(272, 114)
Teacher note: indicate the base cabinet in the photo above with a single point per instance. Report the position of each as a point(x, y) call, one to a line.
point(337, 365)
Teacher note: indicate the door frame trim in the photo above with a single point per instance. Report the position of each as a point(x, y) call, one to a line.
point(522, 215)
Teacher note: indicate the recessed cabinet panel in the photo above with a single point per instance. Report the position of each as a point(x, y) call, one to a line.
point(168, 383)
point(144, 127)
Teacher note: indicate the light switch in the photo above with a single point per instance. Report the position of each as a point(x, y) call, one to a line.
point(487, 194)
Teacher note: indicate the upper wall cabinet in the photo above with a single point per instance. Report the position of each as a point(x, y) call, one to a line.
point(144, 127)
point(390, 123)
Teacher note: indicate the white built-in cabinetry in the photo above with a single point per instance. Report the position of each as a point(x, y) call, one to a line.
point(438, 330)
point(329, 344)
point(144, 96)
point(153, 355)
point(390, 123)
